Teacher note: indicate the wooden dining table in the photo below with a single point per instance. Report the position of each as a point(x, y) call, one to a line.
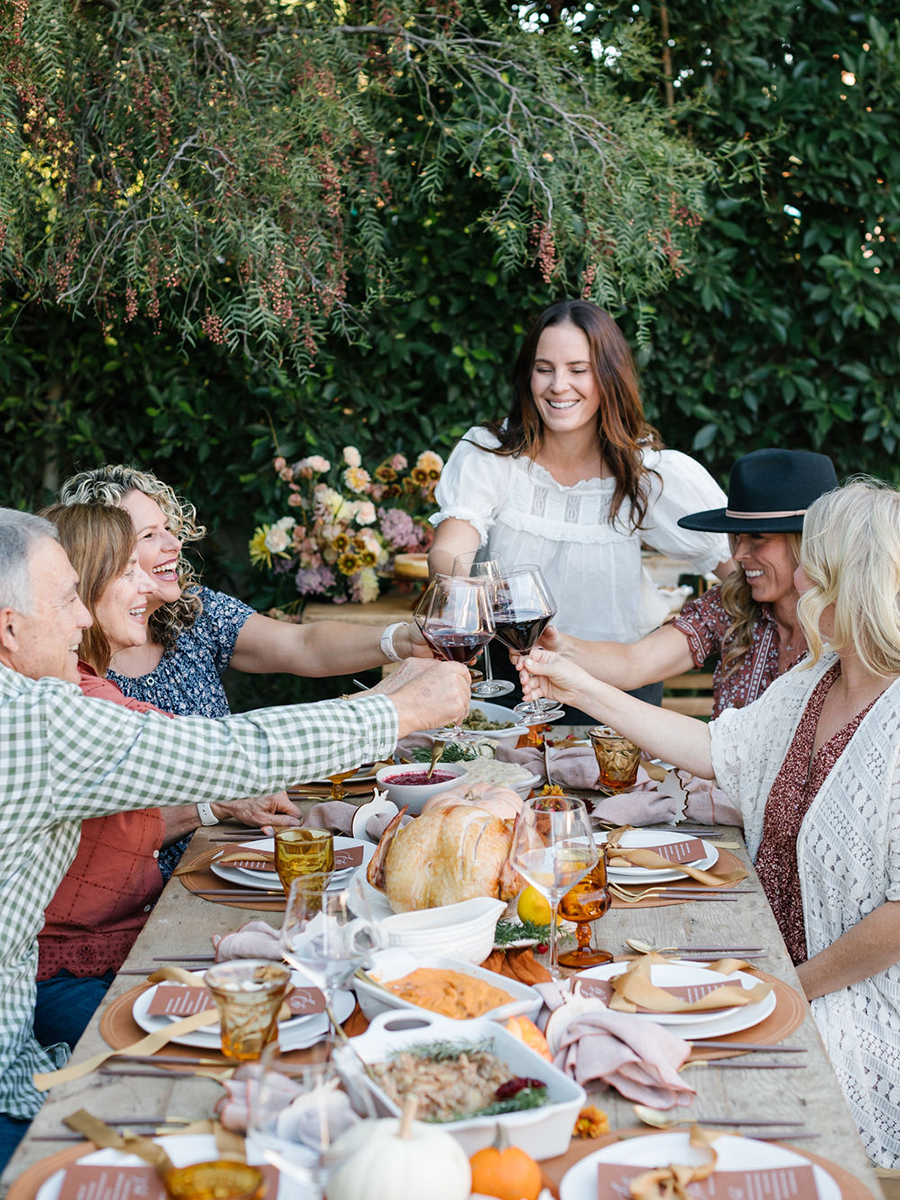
point(804, 1089)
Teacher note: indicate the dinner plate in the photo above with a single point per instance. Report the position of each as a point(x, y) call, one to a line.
point(669, 975)
point(637, 838)
point(265, 880)
point(696, 1025)
point(294, 1034)
point(663, 1149)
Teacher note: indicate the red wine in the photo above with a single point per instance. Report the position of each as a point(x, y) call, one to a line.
point(459, 647)
point(521, 634)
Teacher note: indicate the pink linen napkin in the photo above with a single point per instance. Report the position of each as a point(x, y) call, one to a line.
point(337, 815)
point(639, 1058)
point(256, 939)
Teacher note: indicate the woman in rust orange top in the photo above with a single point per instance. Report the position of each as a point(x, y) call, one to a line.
point(102, 903)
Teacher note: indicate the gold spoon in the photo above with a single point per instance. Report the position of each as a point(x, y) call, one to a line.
point(337, 783)
point(437, 749)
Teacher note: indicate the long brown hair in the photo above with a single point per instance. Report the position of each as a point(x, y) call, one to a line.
point(738, 602)
point(99, 541)
point(621, 428)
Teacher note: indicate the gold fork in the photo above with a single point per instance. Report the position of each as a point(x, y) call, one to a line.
point(677, 893)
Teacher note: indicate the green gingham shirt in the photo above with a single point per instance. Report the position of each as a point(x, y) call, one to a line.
point(64, 757)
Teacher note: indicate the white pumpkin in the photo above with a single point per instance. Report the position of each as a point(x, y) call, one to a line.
point(403, 1159)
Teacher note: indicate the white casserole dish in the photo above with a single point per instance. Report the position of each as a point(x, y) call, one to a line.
point(391, 964)
point(543, 1132)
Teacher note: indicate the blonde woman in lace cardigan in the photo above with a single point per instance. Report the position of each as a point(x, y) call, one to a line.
point(814, 766)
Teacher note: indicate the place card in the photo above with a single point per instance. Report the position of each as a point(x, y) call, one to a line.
point(177, 1000)
point(768, 1183)
point(345, 859)
point(689, 851)
point(602, 989)
point(91, 1181)
point(304, 1001)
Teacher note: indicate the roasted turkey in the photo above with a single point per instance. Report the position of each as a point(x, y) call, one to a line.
point(454, 852)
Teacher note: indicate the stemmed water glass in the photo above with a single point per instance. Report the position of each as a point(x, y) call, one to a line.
point(491, 571)
point(553, 848)
point(327, 934)
point(523, 610)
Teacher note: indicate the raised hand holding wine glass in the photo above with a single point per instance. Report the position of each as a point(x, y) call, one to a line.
point(553, 848)
point(491, 571)
point(523, 609)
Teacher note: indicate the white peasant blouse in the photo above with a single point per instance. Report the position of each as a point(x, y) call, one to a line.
point(593, 568)
point(848, 854)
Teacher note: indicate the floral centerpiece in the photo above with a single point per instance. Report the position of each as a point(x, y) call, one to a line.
point(346, 525)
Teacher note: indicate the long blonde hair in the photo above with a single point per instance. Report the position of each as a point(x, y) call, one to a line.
point(851, 556)
point(107, 485)
point(738, 602)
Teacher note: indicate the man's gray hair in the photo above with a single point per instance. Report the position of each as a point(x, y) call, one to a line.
point(20, 533)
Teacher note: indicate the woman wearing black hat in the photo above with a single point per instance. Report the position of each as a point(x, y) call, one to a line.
point(750, 620)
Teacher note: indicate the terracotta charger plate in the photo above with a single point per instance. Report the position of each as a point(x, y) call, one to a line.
point(200, 876)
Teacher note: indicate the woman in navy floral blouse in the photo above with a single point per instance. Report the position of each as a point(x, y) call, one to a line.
point(196, 633)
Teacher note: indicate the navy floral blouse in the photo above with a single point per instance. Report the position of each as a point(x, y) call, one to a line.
point(188, 681)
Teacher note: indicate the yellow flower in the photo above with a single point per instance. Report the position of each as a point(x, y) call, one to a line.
point(429, 461)
point(419, 476)
point(590, 1123)
point(341, 543)
point(348, 564)
point(385, 473)
point(357, 479)
point(367, 558)
point(259, 551)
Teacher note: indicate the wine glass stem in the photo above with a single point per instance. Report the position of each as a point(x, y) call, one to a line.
point(488, 672)
point(554, 935)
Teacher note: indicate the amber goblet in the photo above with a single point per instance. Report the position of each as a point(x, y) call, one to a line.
point(587, 901)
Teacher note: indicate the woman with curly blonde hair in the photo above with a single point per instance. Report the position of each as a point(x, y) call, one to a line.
point(814, 768)
point(195, 633)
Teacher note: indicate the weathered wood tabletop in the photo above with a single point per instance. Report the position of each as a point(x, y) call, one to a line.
point(182, 924)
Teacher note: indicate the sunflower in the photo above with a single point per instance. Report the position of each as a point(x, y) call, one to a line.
point(348, 564)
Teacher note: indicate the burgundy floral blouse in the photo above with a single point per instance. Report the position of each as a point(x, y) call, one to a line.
point(705, 624)
point(794, 789)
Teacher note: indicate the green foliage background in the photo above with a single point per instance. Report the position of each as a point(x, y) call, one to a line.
point(784, 331)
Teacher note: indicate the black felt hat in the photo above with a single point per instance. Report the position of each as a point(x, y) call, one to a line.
point(769, 491)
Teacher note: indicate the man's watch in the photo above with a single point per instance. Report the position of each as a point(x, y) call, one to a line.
point(206, 814)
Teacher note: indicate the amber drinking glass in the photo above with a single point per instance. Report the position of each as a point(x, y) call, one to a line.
point(248, 995)
point(617, 758)
point(587, 901)
point(302, 852)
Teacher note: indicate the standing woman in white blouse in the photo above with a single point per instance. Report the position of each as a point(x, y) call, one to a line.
point(574, 479)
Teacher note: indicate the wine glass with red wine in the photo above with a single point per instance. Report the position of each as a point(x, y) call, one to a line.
point(523, 608)
point(490, 570)
point(456, 619)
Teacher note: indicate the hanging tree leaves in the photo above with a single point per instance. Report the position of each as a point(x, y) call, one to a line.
point(233, 169)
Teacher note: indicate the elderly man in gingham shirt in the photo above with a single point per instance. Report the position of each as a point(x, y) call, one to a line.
point(64, 757)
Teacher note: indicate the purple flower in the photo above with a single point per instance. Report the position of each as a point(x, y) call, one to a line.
point(314, 581)
point(399, 529)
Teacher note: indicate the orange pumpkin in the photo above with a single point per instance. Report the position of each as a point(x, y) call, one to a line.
point(526, 1030)
point(505, 1171)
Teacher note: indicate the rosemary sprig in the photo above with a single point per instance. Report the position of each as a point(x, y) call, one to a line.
point(443, 1051)
point(525, 1098)
point(453, 752)
point(515, 931)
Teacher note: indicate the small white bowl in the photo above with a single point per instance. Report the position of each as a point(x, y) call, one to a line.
point(391, 964)
point(412, 796)
point(464, 931)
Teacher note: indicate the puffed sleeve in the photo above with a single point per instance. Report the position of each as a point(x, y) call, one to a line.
point(681, 486)
point(473, 483)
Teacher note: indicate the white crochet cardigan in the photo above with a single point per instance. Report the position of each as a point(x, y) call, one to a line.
point(848, 853)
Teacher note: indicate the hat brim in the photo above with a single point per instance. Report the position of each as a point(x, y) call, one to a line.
point(716, 520)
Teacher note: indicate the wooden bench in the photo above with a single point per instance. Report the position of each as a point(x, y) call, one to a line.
point(690, 693)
